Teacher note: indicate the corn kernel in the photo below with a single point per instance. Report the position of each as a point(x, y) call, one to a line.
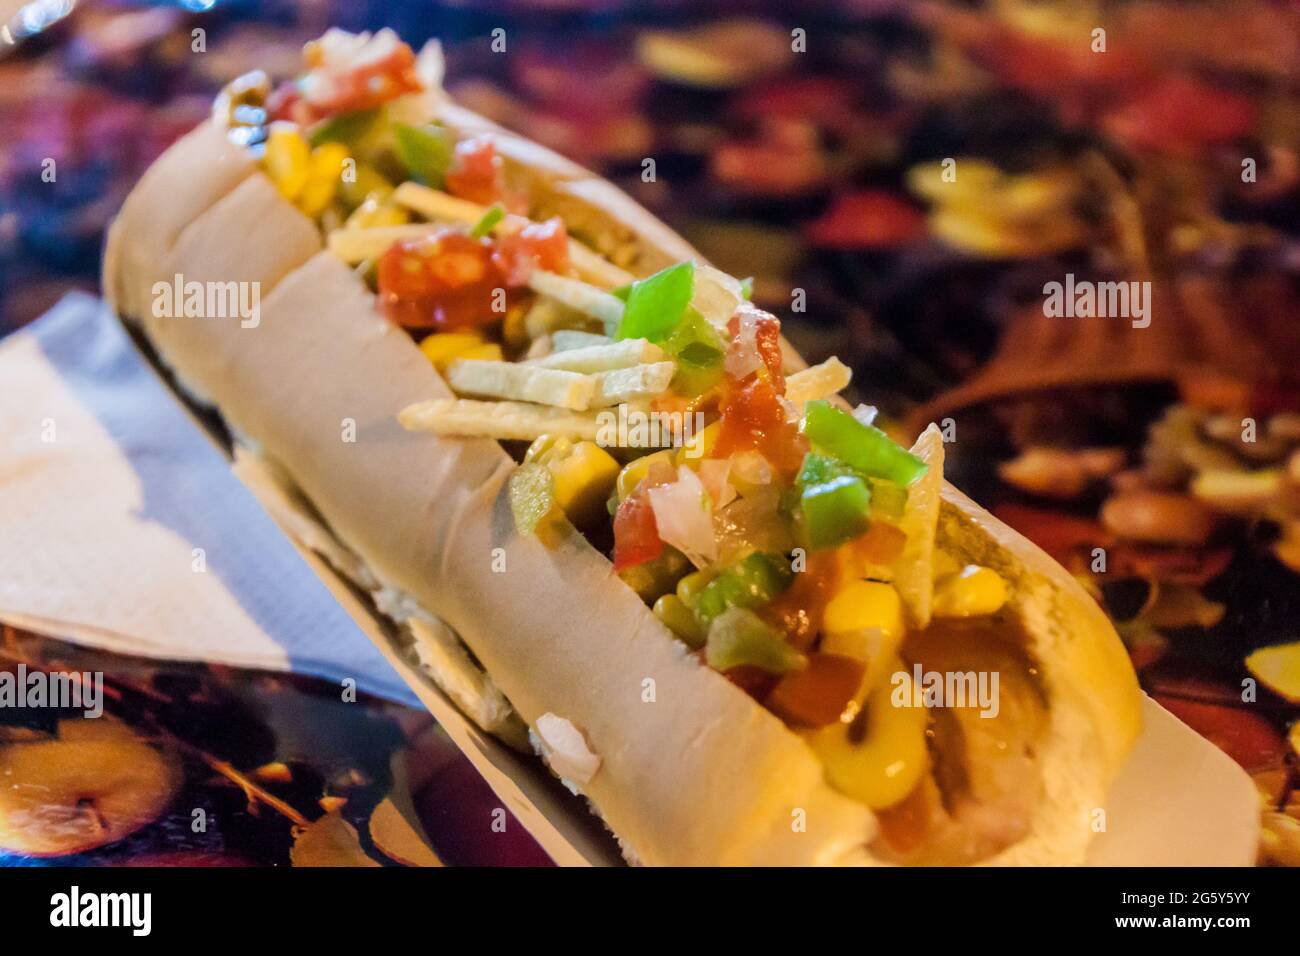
point(945, 565)
point(513, 327)
point(635, 470)
point(680, 619)
point(871, 646)
point(641, 579)
point(864, 605)
point(883, 765)
point(544, 446)
point(324, 174)
point(583, 480)
point(370, 184)
point(700, 448)
point(651, 580)
point(488, 351)
point(972, 592)
point(441, 347)
point(373, 212)
point(287, 159)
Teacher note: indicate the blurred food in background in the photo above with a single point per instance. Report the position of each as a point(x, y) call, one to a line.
point(903, 181)
point(194, 765)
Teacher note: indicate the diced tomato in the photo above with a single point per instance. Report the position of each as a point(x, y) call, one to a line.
point(753, 417)
point(476, 174)
point(872, 219)
point(539, 245)
point(816, 695)
point(797, 612)
point(905, 825)
point(323, 92)
point(754, 681)
point(373, 84)
point(882, 544)
point(443, 281)
point(636, 536)
point(769, 346)
point(767, 335)
point(283, 103)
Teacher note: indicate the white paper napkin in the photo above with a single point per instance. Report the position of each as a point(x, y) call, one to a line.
point(122, 527)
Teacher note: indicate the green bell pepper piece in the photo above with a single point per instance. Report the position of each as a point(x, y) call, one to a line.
point(819, 469)
point(738, 637)
point(653, 579)
point(864, 448)
point(532, 495)
point(656, 304)
point(835, 511)
point(887, 499)
point(753, 582)
point(351, 129)
point(425, 151)
point(487, 222)
point(699, 352)
point(368, 181)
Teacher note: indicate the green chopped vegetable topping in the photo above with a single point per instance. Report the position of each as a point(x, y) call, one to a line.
point(738, 637)
point(489, 220)
point(350, 129)
point(657, 577)
point(425, 151)
point(887, 499)
point(819, 469)
point(656, 304)
point(835, 511)
point(864, 448)
point(532, 495)
point(699, 352)
point(753, 582)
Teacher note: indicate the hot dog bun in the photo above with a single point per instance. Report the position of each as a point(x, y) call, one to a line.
point(695, 772)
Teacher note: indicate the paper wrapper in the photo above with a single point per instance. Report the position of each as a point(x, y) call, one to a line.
point(122, 528)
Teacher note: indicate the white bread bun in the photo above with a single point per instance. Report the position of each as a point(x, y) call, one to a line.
point(701, 774)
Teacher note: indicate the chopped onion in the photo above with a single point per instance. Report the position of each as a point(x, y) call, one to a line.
point(717, 295)
point(565, 749)
point(713, 475)
point(751, 468)
point(684, 517)
point(752, 523)
point(743, 357)
point(866, 414)
point(793, 413)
